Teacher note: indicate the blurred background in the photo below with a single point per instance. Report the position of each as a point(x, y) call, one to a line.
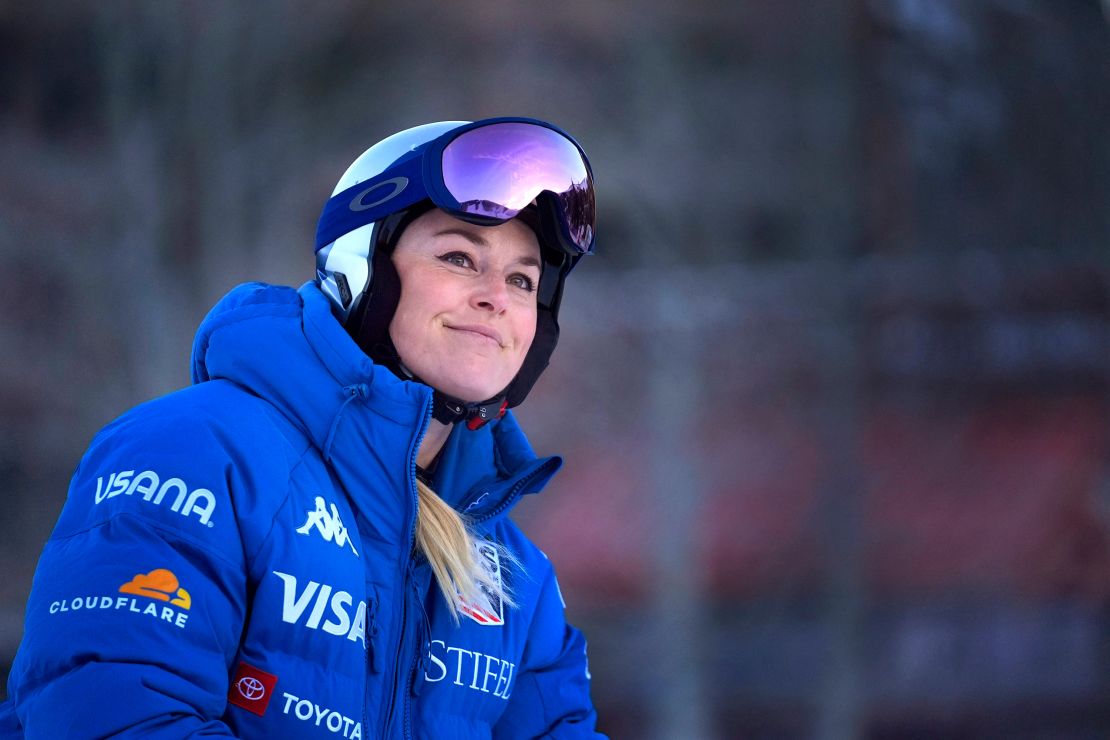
point(834, 394)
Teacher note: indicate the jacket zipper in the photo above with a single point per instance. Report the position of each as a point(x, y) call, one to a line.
point(405, 580)
point(418, 663)
point(366, 677)
point(370, 629)
point(397, 659)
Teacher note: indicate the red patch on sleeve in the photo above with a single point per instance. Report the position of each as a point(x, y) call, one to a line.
point(251, 688)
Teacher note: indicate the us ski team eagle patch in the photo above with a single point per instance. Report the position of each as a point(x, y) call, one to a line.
point(489, 610)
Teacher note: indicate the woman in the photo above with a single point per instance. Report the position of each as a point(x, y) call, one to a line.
point(312, 539)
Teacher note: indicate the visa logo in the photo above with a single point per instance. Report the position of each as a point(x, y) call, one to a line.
point(307, 607)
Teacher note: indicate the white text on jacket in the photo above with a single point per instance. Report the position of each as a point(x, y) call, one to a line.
point(309, 711)
point(154, 489)
point(472, 669)
point(322, 596)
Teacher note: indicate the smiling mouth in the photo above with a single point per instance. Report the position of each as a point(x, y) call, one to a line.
point(478, 333)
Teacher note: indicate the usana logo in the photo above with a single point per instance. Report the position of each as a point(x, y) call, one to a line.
point(153, 489)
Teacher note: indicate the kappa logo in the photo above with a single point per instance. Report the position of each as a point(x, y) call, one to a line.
point(201, 501)
point(488, 610)
point(328, 524)
point(157, 585)
point(251, 688)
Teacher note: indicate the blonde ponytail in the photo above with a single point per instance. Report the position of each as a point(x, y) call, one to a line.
point(449, 545)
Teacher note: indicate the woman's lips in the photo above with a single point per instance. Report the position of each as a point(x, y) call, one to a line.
point(483, 331)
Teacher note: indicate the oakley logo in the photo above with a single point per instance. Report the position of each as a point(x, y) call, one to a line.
point(328, 524)
point(399, 184)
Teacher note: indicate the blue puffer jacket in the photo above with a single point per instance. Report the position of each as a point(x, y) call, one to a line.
point(234, 560)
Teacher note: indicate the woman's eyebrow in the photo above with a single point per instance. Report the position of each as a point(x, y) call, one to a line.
point(470, 236)
point(480, 241)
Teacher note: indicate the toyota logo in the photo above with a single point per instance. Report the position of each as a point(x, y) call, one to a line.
point(251, 688)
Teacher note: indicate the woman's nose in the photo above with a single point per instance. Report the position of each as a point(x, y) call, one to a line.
point(492, 294)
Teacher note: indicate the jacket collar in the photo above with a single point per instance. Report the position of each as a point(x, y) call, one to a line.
point(286, 346)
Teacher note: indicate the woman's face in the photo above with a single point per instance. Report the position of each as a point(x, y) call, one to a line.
point(467, 312)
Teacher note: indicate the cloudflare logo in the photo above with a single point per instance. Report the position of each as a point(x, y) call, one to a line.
point(159, 585)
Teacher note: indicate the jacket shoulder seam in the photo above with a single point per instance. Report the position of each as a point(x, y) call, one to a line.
point(169, 533)
point(250, 559)
point(266, 410)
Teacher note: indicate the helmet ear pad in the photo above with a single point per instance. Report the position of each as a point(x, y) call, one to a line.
point(557, 264)
point(369, 323)
point(535, 362)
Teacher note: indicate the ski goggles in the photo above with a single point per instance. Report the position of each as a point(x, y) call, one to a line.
point(484, 172)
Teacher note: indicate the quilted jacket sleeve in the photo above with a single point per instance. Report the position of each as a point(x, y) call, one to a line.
point(551, 696)
point(138, 600)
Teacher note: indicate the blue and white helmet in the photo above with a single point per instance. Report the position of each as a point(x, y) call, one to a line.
point(343, 265)
point(451, 165)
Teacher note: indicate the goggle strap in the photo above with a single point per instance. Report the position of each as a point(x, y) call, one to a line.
point(399, 187)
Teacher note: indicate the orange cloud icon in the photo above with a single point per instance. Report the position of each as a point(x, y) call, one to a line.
point(158, 584)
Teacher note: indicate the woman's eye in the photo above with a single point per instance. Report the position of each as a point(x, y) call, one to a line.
point(523, 282)
point(460, 259)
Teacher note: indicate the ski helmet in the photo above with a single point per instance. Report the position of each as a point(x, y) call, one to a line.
point(484, 172)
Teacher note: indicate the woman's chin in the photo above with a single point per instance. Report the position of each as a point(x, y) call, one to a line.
point(467, 393)
point(468, 381)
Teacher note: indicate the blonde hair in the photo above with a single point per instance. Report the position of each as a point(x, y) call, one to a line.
point(450, 546)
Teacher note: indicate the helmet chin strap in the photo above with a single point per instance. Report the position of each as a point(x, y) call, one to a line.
point(448, 410)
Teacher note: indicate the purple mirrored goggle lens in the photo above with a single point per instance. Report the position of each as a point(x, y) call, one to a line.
point(497, 170)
